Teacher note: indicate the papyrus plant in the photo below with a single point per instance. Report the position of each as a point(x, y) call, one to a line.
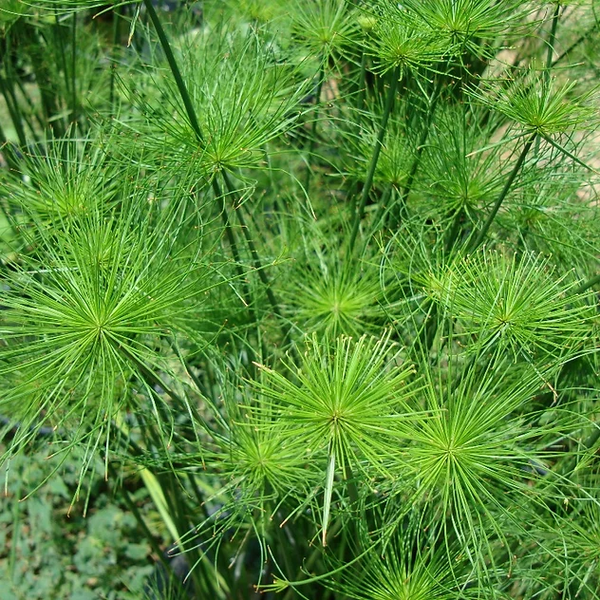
point(321, 277)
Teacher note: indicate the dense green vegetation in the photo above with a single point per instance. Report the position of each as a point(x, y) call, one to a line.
point(304, 292)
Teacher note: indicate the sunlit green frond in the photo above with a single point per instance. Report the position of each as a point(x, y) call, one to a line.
point(469, 24)
point(242, 95)
point(70, 180)
point(540, 106)
point(477, 452)
point(407, 567)
point(333, 298)
point(455, 177)
point(348, 395)
point(400, 40)
point(324, 28)
point(86, 312)
point(518, 304)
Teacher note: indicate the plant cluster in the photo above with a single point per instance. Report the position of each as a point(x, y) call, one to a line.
point(321, 278)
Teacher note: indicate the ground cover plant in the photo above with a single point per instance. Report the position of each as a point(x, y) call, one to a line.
point(313, 286)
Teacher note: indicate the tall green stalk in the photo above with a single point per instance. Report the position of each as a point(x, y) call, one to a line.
point(580, 40)
point(362, 82)
point(114, 55)
point(181, 87)
point(285, 330)
point(196, 127)
point(586, 285)
point(191, 113)
point(31, 106)
point(550, 51)
point(406, 190)
point(389, 105)
point(13, 109)
point(314, 556)
point(452, 233)
point(12, 162)
point(313, 135)
point(12, 83)
point(74, 110)
point(551, 42)
point(47, 87)
point(384, 207)
point(513, 174)
point(246, 296)
point(58, 37)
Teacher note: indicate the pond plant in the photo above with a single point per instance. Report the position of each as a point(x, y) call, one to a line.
point(322, 276)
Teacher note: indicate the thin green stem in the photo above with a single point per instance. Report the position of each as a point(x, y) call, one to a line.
point(586, 285)
point(191, 113)
point(282, 543)
point(551, 42)
point(246, 297)
point(31, 107)
point(45, 83)
point(151, 379)
point(362, 83)
point(350, 483)
point(63, 53)
point(198, 494)
point(312, 559)
point(313, 135)
point(389, 104)
point(180, 513)
point(74, 111)
point(23, 118)
point(483, 232)
point(285, 330)
point(428, 332)
point(452, 234)
point(402, 201)
point(582, 38)
point(12, 80)
point(13, 110)
point(549, 53)
point(12, 162)
point(114, 52)
point(381, 211)
point(181, 87)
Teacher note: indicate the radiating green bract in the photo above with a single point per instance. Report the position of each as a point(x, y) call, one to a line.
point(105, 282)
point(243, 95)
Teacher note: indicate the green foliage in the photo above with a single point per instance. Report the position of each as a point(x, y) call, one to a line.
point(537, 105)
point(401, 40)
point(86, 310)
point(469, 24)
point(10, 13)
point(518, 307)
point(325, 28)
point(242, 95)
point(310, 288)
point(343, 401)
